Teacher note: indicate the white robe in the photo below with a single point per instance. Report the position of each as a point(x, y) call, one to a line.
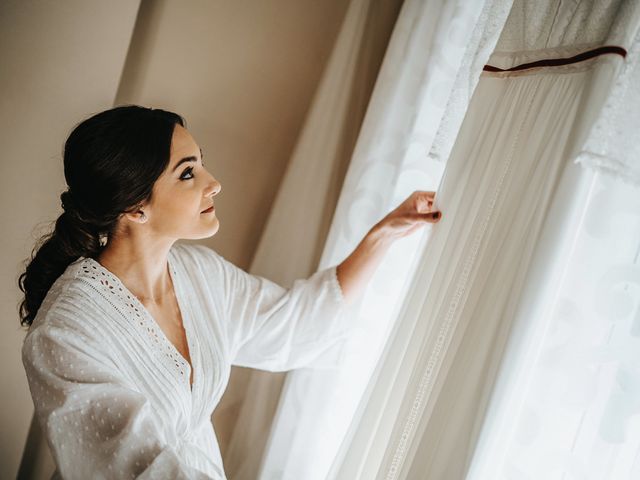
point(112, 393)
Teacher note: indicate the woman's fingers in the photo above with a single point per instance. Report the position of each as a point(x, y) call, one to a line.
point(426, 194)
point(422, 200)
point(421, 205)
point(412, 214)
point(430, 217)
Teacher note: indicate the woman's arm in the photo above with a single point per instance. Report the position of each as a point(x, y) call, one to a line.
point(356, 270)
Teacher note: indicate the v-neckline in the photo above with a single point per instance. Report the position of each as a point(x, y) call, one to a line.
point(186, 325)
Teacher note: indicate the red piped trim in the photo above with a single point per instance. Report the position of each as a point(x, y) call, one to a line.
point(555, 62)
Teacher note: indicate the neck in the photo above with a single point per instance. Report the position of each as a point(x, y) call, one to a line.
point(141, 266)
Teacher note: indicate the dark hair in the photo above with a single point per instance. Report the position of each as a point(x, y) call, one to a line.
point(111, 162)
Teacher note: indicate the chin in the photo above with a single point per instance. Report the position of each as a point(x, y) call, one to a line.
point(212, 231)
point(201, 233)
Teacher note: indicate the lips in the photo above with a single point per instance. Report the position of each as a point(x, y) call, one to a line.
point(210, 209)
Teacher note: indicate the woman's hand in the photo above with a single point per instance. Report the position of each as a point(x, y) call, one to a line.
point(356, 270)
point(413, 213)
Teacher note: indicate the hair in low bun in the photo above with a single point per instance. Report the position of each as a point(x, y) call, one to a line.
point(111, 162)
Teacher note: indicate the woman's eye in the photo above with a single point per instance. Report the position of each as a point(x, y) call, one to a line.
point(189, 171)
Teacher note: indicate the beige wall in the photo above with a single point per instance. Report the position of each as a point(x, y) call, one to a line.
point(59, 61)
point(242, 73)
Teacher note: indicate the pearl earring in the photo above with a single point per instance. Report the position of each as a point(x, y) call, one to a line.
point(143, 218)
point(103, 239)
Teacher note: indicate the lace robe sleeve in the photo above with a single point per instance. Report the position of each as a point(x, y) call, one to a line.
point(273, 328)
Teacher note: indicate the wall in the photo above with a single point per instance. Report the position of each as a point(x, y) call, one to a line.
point(242, 73)
point(58, 62)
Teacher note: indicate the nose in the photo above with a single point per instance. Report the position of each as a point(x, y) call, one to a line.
point(214, 189)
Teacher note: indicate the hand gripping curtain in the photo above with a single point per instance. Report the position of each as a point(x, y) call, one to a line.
point(296, 230)
point(509, 194)
point(432, 44)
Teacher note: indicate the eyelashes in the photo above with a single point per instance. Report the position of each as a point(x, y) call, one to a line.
point(190, 172)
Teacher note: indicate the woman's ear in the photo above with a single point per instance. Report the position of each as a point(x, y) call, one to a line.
point(139, 216)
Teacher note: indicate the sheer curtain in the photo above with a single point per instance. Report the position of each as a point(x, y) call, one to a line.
point(612, 148)
point(571, 411)
point(420, 80)
point(567, 397)
point(502, 197)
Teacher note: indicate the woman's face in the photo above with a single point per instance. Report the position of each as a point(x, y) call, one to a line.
point(182, 192)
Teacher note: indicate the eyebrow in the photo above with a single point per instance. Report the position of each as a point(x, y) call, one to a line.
point(186, 159)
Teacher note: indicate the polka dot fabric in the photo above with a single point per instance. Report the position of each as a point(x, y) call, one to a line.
point(113, 394)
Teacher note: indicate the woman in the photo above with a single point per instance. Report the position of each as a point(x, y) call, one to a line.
point(131, 335)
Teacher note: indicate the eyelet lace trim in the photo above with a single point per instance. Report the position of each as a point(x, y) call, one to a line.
point(335, 286)
point(132, 309)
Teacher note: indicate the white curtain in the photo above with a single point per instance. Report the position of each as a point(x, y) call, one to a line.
point(567, 398)
point(612, 147)
point(571, 405)
point(501, 198)
point(420, 79)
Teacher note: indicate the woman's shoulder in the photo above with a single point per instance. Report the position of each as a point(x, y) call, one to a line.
point(69, 299)
point(72, 314)
point(194, 250)
point(198, 256)
point(204, 265)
